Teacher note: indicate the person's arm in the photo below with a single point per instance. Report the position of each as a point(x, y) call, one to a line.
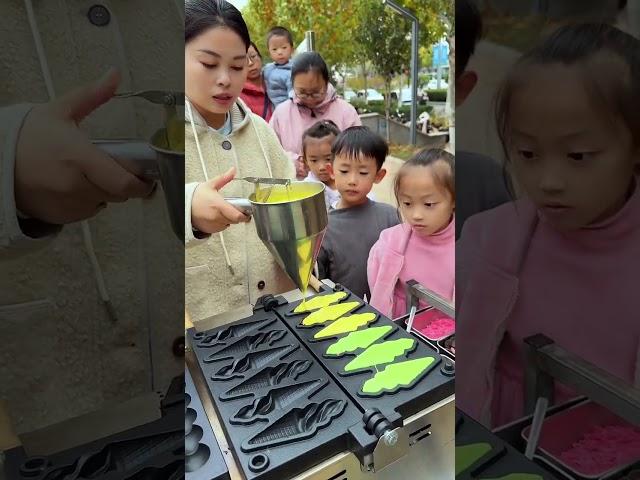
point(18, 234)
point(281, 164)
point(206, 210)
point(275, 124)
point(373, 266)
point(191, 237)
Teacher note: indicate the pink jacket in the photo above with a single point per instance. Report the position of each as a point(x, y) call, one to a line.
point(291, 119)
point(384, 266)
point(489, 258)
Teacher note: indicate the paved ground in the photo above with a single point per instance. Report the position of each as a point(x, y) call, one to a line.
point(384, 190)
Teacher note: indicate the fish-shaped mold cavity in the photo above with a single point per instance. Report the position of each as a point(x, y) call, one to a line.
point(247, 344)
point(277, 399)
point(268, 377)
point(297, 424)
point(252, 361)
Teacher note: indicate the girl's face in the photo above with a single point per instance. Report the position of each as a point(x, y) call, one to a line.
point(573, 159)
point(255, 64)
point(215, 71)
point(425, 203)
point(310, 88)
point(318, 156)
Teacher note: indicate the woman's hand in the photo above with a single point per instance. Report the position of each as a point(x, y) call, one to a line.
point(210, 213)
point(60, 176)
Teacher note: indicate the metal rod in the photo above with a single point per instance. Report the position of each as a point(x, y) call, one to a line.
point(587, 379)
point(310, 37)
point(415, 63)
point(431, 298)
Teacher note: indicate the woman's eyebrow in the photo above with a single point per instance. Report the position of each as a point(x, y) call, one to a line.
point(211, 52)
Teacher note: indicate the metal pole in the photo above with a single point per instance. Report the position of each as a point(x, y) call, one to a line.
point(310, 37)
point(415, 64)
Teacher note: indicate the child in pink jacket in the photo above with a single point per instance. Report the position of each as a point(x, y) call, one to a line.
point(422, 248)
point(314, 99)
point(563, 261)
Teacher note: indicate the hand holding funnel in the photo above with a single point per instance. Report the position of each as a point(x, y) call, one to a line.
point(291, 219)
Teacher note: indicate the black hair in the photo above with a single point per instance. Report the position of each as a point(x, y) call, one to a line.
point(309, 62)
point(431, 158)
point(356, 141)
point(279, 32)
point(468, 33)
point(320, 129)
point(576, 44)
point(255, 47)
point(201, 15)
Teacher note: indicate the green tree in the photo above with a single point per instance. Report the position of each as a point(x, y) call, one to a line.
point(333, 22)
point(384, 38)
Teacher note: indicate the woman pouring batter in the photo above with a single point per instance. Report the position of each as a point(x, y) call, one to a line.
point(229, 269)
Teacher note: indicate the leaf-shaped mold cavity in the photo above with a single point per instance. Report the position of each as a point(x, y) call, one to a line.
point(296, 424)
point(381, 353)
point(268, 377)
point(345, 325)
point(397, 376)
point(247, 344)
point(206, 340)
point(358, 340)
point(251, 361)
point(328, 314)
point(277, 399)
point(320, 301)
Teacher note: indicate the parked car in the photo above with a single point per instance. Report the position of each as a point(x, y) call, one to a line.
point(372, 95)
point(349, 95)
point(433, 84)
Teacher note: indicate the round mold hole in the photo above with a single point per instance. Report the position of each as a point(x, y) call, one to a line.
point(192, 440)
point(198, 459)
point(258, 462)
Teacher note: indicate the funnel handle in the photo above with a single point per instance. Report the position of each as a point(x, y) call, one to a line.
point(243, 204)
point(135, 156)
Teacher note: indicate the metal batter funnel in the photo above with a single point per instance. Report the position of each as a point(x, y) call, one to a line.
point(154, 161)
point(292, 230)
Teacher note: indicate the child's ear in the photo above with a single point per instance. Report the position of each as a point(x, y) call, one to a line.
point(332, 174)
point(465, 85)
point(380, 175)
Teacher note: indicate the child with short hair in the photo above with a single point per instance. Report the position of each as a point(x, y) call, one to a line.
point(423, 247)
point(316, 154)
point(277, 75)
point(357, 157)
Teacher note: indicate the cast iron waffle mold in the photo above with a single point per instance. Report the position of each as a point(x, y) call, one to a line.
point(281, 411)
point(482, 455)
point(203, 458)
point(153, 451)
point(377, 362)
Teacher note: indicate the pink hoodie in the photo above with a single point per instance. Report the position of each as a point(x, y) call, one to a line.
point(517, 276)
point(291, 119)
point(401, 255)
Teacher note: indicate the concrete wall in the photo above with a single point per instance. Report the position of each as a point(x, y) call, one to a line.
point(399, 134)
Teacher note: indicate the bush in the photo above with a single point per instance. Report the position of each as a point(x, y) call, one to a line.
point(437, 95)
point(402, 113)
